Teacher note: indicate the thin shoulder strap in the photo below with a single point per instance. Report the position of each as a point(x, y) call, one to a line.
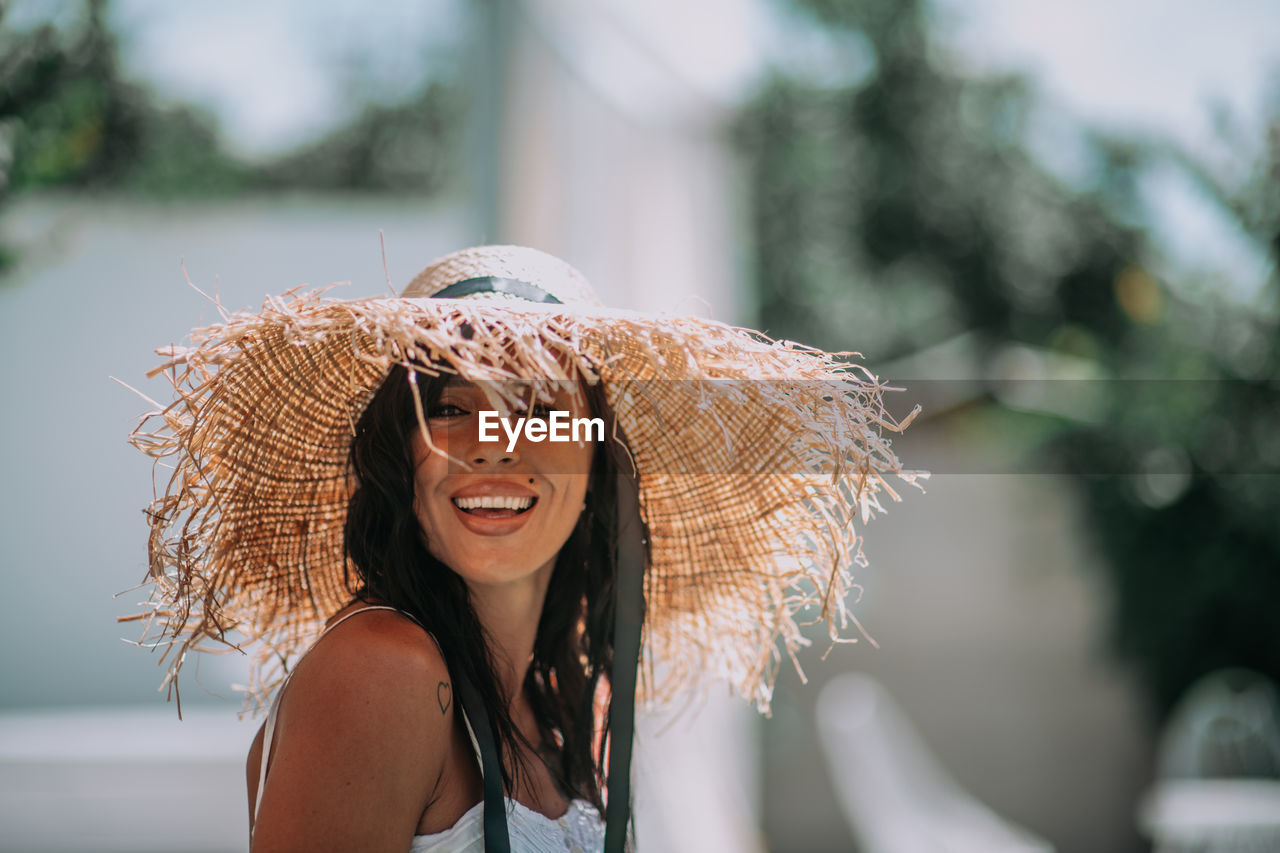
point(270, 728)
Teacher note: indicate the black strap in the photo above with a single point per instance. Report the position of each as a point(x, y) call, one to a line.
point(496, 839)
point(494, 284)
point(626, 655)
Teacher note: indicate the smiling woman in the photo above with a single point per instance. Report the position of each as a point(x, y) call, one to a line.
point(498, 564)
point(482, 603)
point(493, 550)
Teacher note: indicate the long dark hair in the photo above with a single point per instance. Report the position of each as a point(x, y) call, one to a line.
point(573, 647)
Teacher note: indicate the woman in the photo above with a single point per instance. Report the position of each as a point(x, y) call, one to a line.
point(469, 548)
point(485, 598)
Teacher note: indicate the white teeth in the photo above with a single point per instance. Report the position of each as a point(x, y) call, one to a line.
point(493, 502)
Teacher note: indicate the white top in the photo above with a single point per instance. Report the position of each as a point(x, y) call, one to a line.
point(578, 830)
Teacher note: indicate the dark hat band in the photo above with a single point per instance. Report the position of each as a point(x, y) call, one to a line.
point(493, 284)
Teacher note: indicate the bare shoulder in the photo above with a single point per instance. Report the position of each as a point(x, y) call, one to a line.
point(362, 732)
point(377, 662)
point(377, 668)
point(374, 642)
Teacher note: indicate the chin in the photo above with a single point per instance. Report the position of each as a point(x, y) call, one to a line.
point(495, 570)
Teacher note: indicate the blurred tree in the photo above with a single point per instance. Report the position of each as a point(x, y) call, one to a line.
point(903, 208)
point(1193, 538)
point(910, 198)
point(406, 147)
point(69, 119)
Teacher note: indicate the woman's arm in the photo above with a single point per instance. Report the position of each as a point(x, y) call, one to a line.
point(360, 741)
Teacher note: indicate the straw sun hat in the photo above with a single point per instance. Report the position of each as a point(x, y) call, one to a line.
point(757, 461)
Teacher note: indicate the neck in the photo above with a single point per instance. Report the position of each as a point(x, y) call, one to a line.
point(510, 613)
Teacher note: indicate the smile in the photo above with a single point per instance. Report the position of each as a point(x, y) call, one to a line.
point(495, 506)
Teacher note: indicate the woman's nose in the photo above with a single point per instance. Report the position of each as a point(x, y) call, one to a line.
point(493, 453)
point(496, 457)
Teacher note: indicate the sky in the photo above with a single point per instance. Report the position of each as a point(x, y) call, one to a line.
point(275, 73)
point(1156, 66)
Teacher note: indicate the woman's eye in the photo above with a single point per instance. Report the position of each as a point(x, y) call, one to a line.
point(447, 410)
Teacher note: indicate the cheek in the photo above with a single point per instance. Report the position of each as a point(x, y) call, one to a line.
point(432, 529)
point(573, 459)
point(574, 482)
point(425, 527)
point(424, 479)
point(568, 509)
point(574, 469)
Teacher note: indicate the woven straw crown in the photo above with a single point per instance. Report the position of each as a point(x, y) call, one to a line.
point(757, 461)
point(518, 263)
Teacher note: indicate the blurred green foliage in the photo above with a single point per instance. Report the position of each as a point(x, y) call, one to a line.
point(903, 209)
point(70, 119)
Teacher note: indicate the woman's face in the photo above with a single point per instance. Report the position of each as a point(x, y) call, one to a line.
point(505, 515)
